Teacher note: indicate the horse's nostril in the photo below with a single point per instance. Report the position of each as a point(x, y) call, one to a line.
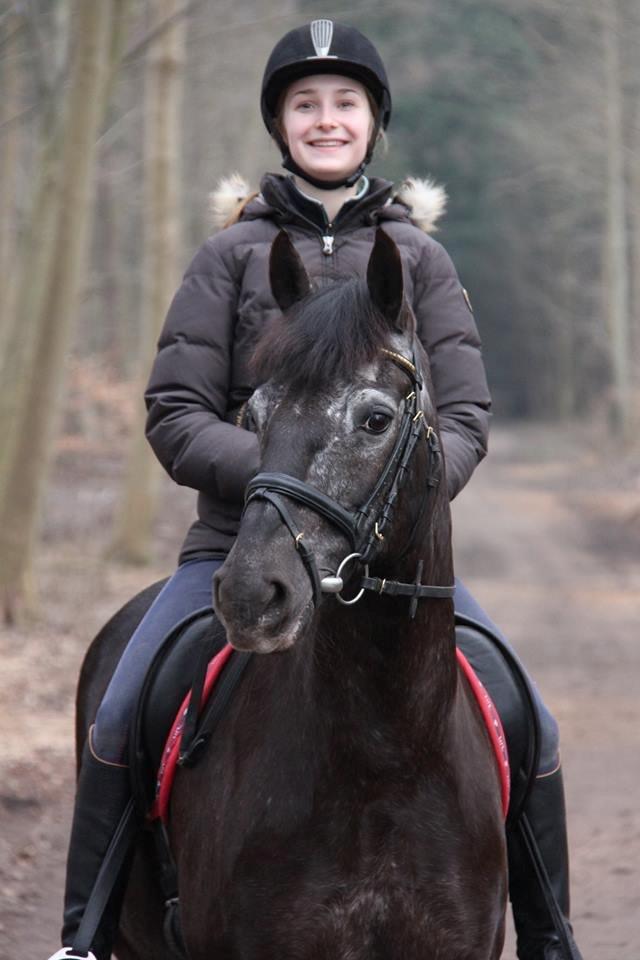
point(279, 592)
point(248, 599)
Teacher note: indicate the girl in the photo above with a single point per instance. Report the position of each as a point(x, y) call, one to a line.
point(325, 101)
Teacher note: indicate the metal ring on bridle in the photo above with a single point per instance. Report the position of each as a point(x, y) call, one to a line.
point(347, 559)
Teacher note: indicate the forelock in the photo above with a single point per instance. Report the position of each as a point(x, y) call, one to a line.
point(324, 339)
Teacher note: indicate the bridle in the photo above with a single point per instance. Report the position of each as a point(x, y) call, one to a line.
point(364, 531)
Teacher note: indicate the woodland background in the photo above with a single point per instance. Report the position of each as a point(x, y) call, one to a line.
point(118, 117)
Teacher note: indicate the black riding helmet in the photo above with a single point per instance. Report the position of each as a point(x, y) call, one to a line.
point(324, 46)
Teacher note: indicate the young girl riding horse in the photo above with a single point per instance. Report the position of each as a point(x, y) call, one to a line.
point(325, 101)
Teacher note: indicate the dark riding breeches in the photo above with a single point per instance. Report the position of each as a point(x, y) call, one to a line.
point(187, 592)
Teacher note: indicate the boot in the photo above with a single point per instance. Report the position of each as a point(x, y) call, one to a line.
point(539, 873)
point(102, 795)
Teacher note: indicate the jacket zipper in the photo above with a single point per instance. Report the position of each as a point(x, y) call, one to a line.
point(326, 235)
point(327, 241)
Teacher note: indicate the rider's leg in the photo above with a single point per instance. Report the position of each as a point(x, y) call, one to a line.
point(103, 789)
point(545, 813)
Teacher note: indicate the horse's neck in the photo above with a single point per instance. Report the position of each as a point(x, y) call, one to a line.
point(405, 667)
point(383, 674)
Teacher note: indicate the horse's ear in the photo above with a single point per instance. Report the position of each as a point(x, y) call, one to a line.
point(287, 275)
point(384, 279)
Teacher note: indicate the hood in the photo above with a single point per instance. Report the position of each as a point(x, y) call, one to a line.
point(422, 200)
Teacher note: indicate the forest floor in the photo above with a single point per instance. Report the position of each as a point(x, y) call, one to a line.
point(547, 537)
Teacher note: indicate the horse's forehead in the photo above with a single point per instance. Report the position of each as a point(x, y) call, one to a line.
point(346, 393)
point(330, 401)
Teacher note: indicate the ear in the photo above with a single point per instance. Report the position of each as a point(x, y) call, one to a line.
point(287, 275)
point(384, 279)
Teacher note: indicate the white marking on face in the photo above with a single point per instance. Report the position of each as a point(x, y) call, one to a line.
point(341, 468)
point(259, 406)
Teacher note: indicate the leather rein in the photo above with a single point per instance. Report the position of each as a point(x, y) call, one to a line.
point(274, 487)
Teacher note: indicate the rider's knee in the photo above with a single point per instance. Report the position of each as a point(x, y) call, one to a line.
point(109, 735)
point(549, 742)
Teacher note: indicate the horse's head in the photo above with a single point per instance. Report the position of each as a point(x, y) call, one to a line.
point(342, 417)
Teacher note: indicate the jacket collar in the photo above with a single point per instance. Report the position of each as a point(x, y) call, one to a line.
point(286, 203)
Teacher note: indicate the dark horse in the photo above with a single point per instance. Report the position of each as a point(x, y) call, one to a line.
point(349, 805)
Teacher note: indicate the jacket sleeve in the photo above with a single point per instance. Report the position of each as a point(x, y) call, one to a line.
point(449, 334)
point(188, 388)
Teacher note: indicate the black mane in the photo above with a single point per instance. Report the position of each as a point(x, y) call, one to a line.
point(325, 338)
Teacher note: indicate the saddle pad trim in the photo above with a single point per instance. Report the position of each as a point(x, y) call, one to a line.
point(493, 725)
point(171, 752)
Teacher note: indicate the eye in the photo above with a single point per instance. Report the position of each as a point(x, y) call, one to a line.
point(377, 422)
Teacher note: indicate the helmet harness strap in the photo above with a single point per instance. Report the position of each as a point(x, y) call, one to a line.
point(290, 164)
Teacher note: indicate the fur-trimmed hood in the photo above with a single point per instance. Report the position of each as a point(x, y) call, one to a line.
point(425, 200)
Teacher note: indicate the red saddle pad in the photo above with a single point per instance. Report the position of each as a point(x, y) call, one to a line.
point(171, 752)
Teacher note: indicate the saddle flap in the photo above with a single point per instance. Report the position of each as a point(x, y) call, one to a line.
point(170, 677)
point(503, 676)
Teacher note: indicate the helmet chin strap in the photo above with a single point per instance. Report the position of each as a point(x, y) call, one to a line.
point(289, 164)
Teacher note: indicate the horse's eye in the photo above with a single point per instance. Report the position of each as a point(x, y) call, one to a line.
point(377, 422)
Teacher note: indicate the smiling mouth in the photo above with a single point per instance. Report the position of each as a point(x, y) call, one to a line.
point(327, 144)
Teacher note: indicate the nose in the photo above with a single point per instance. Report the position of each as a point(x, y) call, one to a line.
point(326, 120)
point(244, 600)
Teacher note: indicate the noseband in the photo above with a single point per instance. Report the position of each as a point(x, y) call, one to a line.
point(364, 537)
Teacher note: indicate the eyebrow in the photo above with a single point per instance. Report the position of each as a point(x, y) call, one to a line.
point(309, 90)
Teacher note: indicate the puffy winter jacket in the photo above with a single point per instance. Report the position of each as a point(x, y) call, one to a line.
point(201, 373)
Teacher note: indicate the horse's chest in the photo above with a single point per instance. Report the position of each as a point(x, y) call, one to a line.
point(349, 889)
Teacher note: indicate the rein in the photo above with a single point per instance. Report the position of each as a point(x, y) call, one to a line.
point(364, 543)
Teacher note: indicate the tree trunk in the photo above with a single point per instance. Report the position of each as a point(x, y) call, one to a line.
point(63, 249)
point(163, 251)
point(634, 213)
point(615, 240)
point(10, 138)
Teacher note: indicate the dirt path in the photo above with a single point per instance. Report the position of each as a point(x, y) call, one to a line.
point(554, 556)
point(547, 537)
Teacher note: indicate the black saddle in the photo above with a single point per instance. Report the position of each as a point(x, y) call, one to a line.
point(179, 666)
point(510, 689)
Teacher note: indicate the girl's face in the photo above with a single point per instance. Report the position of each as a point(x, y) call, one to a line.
point(326, 122)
